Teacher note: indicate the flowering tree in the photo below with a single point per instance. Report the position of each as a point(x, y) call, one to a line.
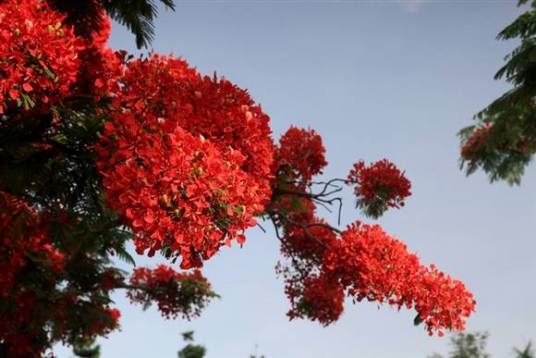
point(99, 149)
point(503, 141)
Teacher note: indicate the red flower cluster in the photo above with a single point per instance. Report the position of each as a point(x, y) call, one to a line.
point(308, 241)
point(315, 297)
point(24, 243)
point(104, 321)
point(25, 250)
point(175, 293)
point(102, 67)
point(38, 55)
point(20, 342)
point(379, 186)
point(110, 279)
point(474, 144)
point(174, 94)
point(305, 241)
point(295, 208)
point(371, 265)
point(300, 155)
point(482, 145)
point(186, 160)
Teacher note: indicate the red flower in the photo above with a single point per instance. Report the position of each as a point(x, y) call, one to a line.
point(308, 240)
point(39, 55)
point(175, 293)
point(315, 297)
point(103, 321)
point(101, 67)
point(27, 262)
point(295, 208)
point(379, 186)
point(371, 265)
point(24, 243)
point(300, 155)
point(114, 315)
point(186, 160)
point(474, 144)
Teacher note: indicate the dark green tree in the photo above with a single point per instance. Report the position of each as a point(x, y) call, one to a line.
point(255, 354)
point(87, 349)
point(136, 15)
point(503, 140)
point(467, 345)
point(527, 352)
point(191, 350)
point(473, 345)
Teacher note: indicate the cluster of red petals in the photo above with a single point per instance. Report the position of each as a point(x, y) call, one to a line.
point(295, 208)
point(72, 315)
point(30, 301)
point(20, 342)
point(102, 67)
point(472, 147)
point(110, 279)
point(381, 184)
point(300, 155)
point(38, 56)
point(363, 261)
point(311, 294)
point(371, 265)
point(315, 297)
point(305, 242)
point(106, 320)
point(24, 250)
point(175, 293)
point(185, 159)
point(479, 144)
point(166, 88)
point(182, 193)
point(24, 242)
point(309, 240)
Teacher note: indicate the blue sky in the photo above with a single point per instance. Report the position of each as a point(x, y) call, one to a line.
point(377, 79)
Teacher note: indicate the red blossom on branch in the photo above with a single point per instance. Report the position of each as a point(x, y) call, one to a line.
point(175, 293)
point(304, 243)
point(300, 155)
point(371, 265)
point(186, 163)
point(295, 208)
point(185, 188)
point(39, 56)
point(24, 243)
point(379, 186)
point(473, 146)
point(317, 298)
point(24, 247)
point(308, 241)
point(105, 321)
point(102, 68)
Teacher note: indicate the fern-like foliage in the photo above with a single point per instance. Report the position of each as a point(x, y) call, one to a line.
point(509, 122)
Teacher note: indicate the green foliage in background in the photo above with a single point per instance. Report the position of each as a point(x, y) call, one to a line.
point(507, 140)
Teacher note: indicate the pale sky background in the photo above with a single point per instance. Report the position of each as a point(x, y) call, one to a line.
point(377, 79)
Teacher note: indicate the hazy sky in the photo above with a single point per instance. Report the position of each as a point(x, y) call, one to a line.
point(377, 79)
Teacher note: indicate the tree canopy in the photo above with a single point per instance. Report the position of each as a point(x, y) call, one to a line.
point(502, 142)
point(100, 150)
point(473, 345)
